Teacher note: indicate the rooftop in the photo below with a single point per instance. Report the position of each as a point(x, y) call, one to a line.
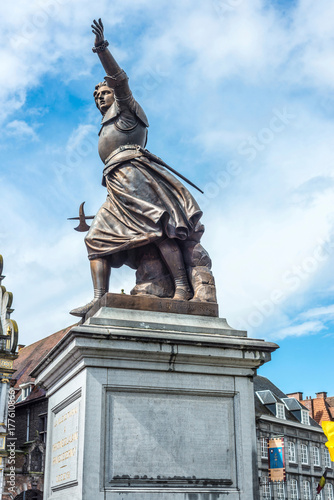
point(29, 357)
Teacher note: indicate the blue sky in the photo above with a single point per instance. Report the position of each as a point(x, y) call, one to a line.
point(239, 95)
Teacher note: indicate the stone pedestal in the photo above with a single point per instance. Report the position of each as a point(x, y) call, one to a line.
point(151, 405)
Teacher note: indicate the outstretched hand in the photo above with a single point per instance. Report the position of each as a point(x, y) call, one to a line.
point(98, 30)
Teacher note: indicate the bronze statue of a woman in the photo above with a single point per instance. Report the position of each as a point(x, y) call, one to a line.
point(149, 220)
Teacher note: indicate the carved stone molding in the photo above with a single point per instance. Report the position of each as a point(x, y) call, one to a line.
point(8, 327)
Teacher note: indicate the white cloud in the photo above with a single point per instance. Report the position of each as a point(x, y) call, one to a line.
point(248, 41)
point(212, 78)
point(21, 130)
point(325, 313)
point(82, 134)
point(307, 328)
point(261, 251)
point(312, 38)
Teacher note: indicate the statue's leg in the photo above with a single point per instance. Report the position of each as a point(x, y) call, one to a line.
point(100, 270)
point(172, 255)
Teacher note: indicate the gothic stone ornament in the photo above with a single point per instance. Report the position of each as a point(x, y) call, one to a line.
point(8, 327)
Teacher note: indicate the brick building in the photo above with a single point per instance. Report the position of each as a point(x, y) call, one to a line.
point(321, 407)
point(306, 455)
point(30, 421)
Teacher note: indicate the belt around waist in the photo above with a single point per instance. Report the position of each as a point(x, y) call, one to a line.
point(127, 148)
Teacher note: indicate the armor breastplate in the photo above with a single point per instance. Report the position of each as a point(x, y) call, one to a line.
point(121, 125)
point(112, 137)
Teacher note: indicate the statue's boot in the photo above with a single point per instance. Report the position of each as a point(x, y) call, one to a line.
point(100, 269)
point(173, 258)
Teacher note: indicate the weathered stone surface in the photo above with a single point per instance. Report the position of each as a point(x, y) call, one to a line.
point(160, 414)
point(167, 438)
point(137, 322)
point(152, 276)
point(198, 264)
point(203, 283)
point(64, 445)
point(149, 303)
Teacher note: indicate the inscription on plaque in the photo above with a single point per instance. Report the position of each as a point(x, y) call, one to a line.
point(174, 439)
point(64, 451)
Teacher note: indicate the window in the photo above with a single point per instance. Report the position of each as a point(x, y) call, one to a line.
point(25, 391)
point(316, 455)
point(266, 488)
point(2, 444)
point(280, 411)
point(319, 497)
point(280, 493)
point(36, 460)
point(43, 426)
point(307, 490)
point(264, 447)
point(292, 451)
point(304, 450)
point(294, 489)
point(328, 462)
point(328, 492)
point(305, 417)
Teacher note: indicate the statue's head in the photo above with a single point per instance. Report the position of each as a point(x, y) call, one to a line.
point(104, 97)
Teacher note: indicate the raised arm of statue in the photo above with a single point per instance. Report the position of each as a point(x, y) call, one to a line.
point(108, 62)
point(115, 76)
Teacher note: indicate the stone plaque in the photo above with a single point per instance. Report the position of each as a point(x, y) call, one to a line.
point(64, 446)
point(170, 439)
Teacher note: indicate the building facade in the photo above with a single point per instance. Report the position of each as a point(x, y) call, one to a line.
point(305, 453)
point(321, 408)
point(30, 434)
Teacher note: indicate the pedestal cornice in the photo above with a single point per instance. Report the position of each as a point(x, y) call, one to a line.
point(169, 341)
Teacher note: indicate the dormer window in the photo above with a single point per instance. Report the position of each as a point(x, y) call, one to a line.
point(297, 410)
point(280, 411)
point(25, 391)
point(273, 403)
point(305, 417)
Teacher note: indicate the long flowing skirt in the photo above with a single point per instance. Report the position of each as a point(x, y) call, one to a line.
point(145, 202)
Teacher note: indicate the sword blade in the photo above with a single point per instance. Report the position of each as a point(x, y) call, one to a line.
point(78, 218)
point(161, 162)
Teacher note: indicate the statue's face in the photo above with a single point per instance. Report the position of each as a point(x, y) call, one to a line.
point(104, 98)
